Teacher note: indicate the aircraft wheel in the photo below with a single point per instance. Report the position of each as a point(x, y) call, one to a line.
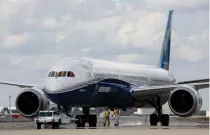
point(92, 121)
point(81, 121)
point(53, 126)
point(164, 120)
point(38, 126)
point(153, 120)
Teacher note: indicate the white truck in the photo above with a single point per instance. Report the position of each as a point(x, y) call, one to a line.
point(51, 117)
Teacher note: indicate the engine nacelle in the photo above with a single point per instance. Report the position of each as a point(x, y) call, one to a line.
point(185, 101)
point(30, 101)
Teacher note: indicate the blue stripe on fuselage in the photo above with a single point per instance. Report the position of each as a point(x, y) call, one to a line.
point(109, 92)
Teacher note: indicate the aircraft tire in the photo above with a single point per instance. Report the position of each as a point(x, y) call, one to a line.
point(153, 120)
point(38, 126)
point(165, 120)
point(53, 125)
point(81, 120)
point(92, 121)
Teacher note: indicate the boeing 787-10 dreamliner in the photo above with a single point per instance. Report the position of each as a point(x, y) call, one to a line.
point(87, 83)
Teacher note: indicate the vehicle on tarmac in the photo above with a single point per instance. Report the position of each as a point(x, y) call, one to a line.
point(51, 118)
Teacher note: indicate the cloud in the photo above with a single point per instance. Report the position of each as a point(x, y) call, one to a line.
point(199, 39)
point(63, 27)
point(59, 39)
point(186, 52)
point(85, 49)
point(14, 41)
point(175, 4)
point(195, 47)
point(8, 8)
point(29, 21)
point(122, 30)
point(130, 58)
point(34, 62)
point(49, 23)
point(142, 32)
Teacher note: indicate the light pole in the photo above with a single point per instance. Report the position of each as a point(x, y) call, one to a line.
point(9, 105)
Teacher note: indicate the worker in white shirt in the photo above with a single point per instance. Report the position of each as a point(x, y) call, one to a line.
point(116, 115)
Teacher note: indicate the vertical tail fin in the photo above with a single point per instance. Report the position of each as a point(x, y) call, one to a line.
point(165, 51)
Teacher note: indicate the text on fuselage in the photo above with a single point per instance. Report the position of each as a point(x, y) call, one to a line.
point(104, 89)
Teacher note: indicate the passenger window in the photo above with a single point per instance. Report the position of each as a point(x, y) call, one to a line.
point(70, 74)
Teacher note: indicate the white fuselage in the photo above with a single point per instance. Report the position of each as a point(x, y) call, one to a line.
point(88, 71)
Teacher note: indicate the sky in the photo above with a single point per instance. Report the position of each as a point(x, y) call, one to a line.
point(34, 34)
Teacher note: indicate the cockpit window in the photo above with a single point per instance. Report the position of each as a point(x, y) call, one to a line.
point(49, 74)
point(70, 74)
point(52, 74)
point(58, 74)
point(63, 74)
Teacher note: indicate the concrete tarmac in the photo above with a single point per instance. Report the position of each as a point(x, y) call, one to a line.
point(128, 126)
point(112, 131)
point(125, 121)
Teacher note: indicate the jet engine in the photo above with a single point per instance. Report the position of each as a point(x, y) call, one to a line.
point(185, 101)
point(30, 101)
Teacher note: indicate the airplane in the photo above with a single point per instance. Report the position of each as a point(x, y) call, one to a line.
point(86, 82)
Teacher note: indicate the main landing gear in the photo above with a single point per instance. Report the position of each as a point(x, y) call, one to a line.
point(159, 116)
point(86, 117)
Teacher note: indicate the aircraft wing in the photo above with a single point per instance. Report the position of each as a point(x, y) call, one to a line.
point(198, 84)
point(194, 81)
point(155, 90)
point(20, 85)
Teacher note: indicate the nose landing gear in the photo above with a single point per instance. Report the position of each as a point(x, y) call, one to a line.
point(86, 117)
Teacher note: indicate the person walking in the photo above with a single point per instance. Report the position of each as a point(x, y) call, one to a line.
point(107, 117)
point(116, 115)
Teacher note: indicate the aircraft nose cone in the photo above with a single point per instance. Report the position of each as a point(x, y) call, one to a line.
point(54, 85)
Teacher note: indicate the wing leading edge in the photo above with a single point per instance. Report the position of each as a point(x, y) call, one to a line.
point(155, 90)
point(194, 81)
point(198, 84)
point(20, 85)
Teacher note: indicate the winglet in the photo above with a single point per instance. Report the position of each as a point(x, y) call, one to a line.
point(165, 51)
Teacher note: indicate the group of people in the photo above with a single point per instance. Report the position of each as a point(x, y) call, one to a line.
point(116, 115)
